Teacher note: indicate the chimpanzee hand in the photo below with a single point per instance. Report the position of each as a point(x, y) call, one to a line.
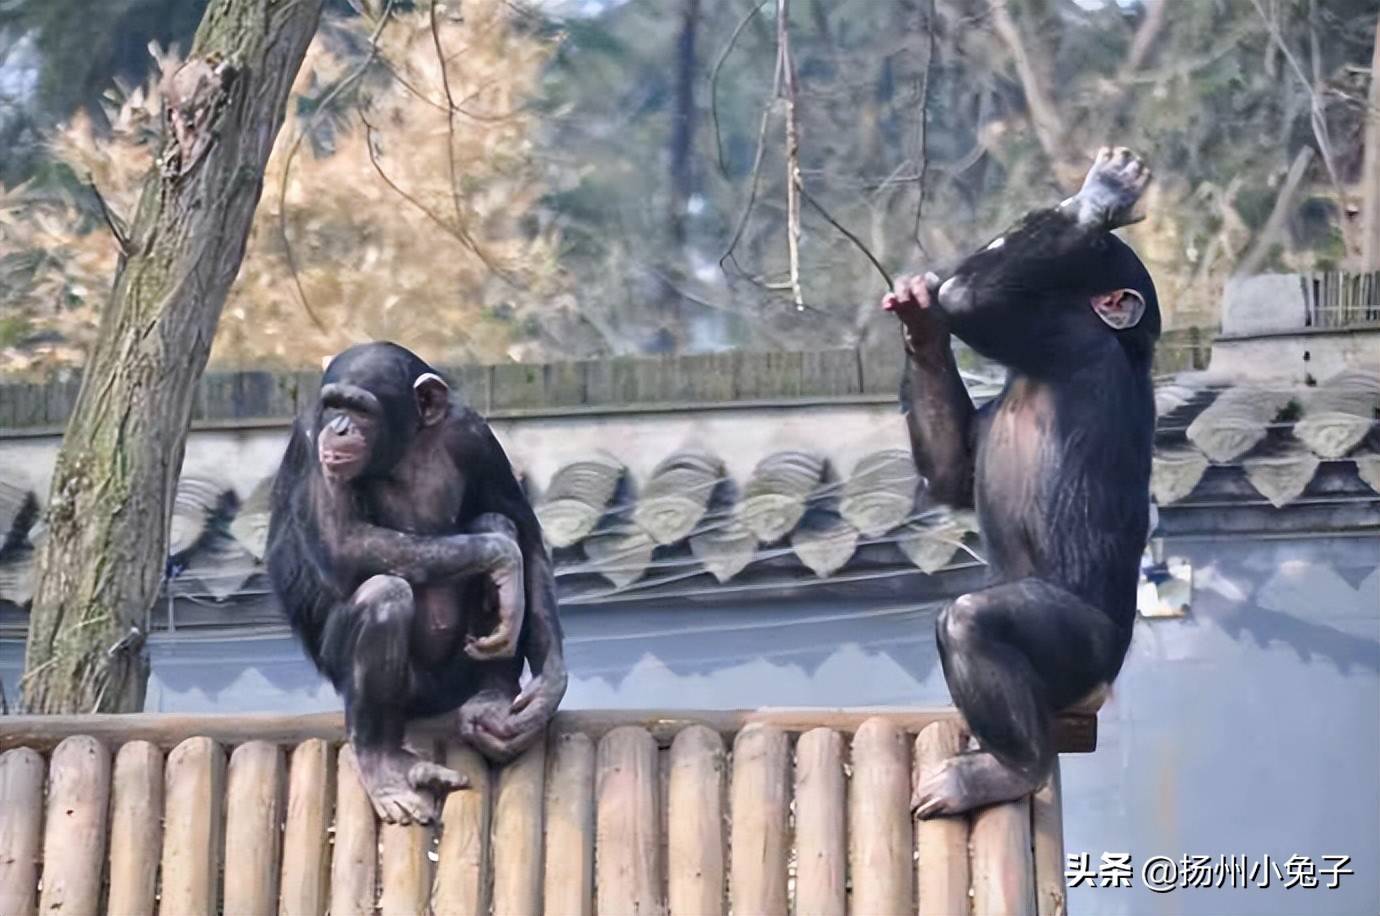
point(501, 726)
point(506, 578)
point(926, 328)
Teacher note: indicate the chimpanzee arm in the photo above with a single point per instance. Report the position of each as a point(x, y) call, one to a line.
point(368, 550)
point(939, 413)
point(495, 489)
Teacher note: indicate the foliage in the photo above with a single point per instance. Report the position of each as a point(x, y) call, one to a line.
point(610, 161)
point(385, 245)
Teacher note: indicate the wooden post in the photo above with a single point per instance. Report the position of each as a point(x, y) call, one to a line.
point(136, 828)
point(21, 798)
point(404, 870)
point(195, 791)
point(629, 878)
point(74, 842)
point(354, 860)
point(253, 816)
point(1003, 870)
point(517, 832)
point(310, 790)
point(942, 876)
point(1047, 824)
point(569, 887)
point(821, 824)
point(879, 820)
point(462, 885)
point(759, 808)
point(695, 824)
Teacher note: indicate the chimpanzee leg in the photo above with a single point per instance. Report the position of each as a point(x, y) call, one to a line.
point(367, 651)
point(1030, 256)
point(511, 603)
point(1014, 655)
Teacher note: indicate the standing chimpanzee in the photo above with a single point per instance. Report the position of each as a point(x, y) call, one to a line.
point(412, 567)
point(1058, 466)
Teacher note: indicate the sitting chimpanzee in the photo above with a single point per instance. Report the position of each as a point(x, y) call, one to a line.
point(1058, 466)
point(412, 567)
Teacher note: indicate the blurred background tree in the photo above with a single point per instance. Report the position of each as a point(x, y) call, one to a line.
point(616, 175)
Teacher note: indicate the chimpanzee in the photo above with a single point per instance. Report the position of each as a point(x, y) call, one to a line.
point(1058, 467)
point(413, 569)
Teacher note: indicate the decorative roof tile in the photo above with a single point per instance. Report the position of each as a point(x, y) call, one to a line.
point(678, 494)
point(824, 542)
point(777, 494)
point(881, 492)
point(578, 497)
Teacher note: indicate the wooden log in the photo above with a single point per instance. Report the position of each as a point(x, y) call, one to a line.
point(760, 800)
point(21, 798)
point(695, 824)
point(405, 869)
point(1047, 824)
point(821, 825)
point(311, 787)
point(629, 878)
point(194, 789)
point(354, 858)
point(1074, 734)
point(74, 841)
point(569, 885)
point(253, 818)
point(517, 833)
point(1003, 869)
point(462, 874)
point(942, 873)
point(136, 828)
point(880, 840)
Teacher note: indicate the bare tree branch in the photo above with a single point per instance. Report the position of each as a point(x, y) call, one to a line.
point(307, 128)
point(1279, 214)
point(786, 67)
point(714, 82)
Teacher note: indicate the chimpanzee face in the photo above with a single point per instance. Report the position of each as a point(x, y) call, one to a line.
point(348, 431)
point(374, 400)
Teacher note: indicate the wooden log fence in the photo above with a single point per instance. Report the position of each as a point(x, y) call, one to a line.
point(772, 812)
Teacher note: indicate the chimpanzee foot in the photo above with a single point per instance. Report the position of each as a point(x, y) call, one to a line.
point(965, 782)
point(911, 302)
point(404, 788)
point(1114, 184)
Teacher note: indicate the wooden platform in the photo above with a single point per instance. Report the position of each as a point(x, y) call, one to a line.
point(760, 812)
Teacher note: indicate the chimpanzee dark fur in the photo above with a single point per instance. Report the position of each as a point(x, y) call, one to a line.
point(1058, 466)
point(412, 567)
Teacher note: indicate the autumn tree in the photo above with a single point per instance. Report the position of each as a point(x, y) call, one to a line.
point(101, 563)
point(402, 204)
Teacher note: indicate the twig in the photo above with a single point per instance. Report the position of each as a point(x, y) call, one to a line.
point(118, 227)
point(326, 101)
point(924, 128)
point(714, 82)
point(456, 232)
point(752, 191)
point(857, 242)
point(450, 116)
point(787, 69)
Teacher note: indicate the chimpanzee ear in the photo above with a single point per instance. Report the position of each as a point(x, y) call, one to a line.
point(1120, 309)
point(433, 396)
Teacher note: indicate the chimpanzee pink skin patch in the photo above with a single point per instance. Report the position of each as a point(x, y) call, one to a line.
point(1120, 309)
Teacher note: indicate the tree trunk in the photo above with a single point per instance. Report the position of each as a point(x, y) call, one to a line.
point(102, 562)
point(1370, 180)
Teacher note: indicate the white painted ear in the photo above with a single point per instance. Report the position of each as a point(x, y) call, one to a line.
point(1120, 309)
point(433, 396)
